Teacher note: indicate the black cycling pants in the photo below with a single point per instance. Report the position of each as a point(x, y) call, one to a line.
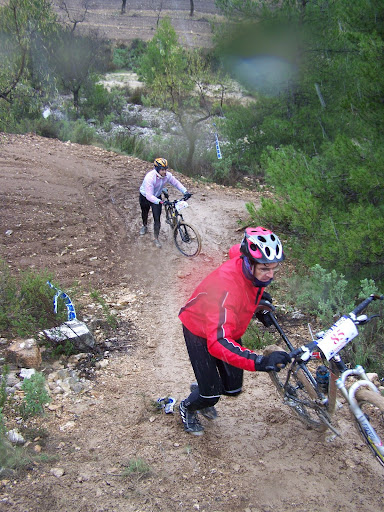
point(214, 377)
point(145, 205)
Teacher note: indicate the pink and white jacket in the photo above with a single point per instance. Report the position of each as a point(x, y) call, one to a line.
point(153, 184)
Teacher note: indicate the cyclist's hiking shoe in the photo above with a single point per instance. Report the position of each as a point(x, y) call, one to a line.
point(143, 230)
point(190, 421)
point(208, 412)
point(157, 243)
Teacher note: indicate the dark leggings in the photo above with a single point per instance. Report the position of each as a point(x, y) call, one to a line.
point(156, 212)
point(214, 377)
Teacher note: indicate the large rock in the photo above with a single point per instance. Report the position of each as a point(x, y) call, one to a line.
point(24, 353)
point(73, 330)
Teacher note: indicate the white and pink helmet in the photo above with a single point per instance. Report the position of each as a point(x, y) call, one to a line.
point(261, 245)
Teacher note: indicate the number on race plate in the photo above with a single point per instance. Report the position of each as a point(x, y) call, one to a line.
point(181, 205)
point(341, 333)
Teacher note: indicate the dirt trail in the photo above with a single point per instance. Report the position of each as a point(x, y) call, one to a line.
point(74, 210)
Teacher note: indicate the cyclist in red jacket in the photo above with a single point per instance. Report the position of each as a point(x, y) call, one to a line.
point(217, 315)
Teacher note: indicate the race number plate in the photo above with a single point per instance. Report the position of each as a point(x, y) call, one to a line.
point(341, 333)
point(181, 205)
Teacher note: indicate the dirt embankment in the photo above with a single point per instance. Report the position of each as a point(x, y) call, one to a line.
point(74, 210)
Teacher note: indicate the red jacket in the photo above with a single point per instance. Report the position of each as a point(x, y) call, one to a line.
point(220, 310)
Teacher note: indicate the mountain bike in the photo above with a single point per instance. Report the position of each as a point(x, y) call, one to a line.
point(185, 236)
point(309, 384)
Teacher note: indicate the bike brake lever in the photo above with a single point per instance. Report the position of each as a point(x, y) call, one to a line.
point(366, 319)
point(304, 352)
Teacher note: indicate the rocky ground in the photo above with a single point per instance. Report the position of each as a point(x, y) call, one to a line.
point(74, 210)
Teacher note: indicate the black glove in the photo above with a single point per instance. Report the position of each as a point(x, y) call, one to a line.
point(187, 195)
point(264, 317)
point(266, 297)
point(274, 362)
point(263, 309)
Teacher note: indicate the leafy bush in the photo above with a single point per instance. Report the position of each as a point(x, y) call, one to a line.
point(321, 293)
point(3, 385)
point(123, 143)
point(321, 201)
point(110, 317)
point(329, 296)
point(129, 57)
point(49, 128)
point(256, 339)
point(368, 350)
point(35, 397)
point(100, 102)
point(82, 133)
point(26, 303)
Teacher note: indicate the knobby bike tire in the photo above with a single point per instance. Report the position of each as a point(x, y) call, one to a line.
point(187, 239)
point(301, 396)
point(372, 405)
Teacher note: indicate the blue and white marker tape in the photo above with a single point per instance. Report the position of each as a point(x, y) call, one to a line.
point(67, 301)
point(218, 151)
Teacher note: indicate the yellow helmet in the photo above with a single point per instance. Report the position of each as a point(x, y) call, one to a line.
point(160, 163)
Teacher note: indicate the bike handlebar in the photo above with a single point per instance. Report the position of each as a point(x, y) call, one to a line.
point(310, 347)
point(360, 308)
point(169, 203)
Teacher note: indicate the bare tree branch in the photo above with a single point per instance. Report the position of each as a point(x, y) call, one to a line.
point(75, 18)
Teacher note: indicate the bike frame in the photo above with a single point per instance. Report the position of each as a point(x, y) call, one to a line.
point(173, 214)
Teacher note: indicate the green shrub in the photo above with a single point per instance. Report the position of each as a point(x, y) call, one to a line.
point(129, 57)
point(100, 102)
point(123, 143)
point(82, 133)
point(49, 128)
point(136, 466)
point(26, 303)
point(324, 294)
point(35, 397)
point(110, 317)
point(328, 296)
point(255, 339)
point(3, 385)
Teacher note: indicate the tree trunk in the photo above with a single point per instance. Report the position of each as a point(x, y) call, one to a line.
point(191, 3)
point(191, 150)
point(76, 98)
point(123, 5)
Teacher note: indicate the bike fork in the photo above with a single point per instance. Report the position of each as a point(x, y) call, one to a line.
point(349, 395)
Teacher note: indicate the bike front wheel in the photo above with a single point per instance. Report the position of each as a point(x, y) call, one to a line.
point(372, 406)
point(187, 239)
point(300, 394)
